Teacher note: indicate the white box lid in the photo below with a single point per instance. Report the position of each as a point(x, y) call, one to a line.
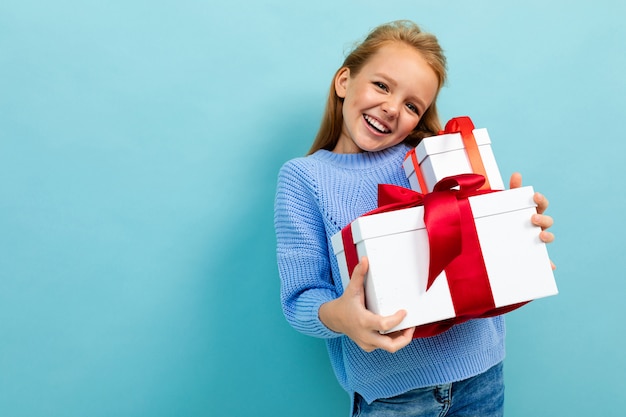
point(449, 142)
point(389, 223)
point(405, 220)
point(502, 202)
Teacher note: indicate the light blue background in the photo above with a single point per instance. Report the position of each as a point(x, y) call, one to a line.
point(139, 146)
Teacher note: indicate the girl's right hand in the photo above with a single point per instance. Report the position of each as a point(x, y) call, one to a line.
point(348, 315)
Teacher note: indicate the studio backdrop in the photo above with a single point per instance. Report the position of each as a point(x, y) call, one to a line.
point(139, 147)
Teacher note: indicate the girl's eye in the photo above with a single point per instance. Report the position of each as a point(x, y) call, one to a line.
point(413, 108)
point(380, 85)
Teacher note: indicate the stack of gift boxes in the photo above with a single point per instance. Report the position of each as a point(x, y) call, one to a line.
point(457, 246)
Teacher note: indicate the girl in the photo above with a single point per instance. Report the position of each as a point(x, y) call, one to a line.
point(382, 101)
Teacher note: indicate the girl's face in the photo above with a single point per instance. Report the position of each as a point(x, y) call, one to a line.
point(384, 102)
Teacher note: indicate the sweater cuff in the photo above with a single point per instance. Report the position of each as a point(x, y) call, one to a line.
point(324, 331)
point(304, 316)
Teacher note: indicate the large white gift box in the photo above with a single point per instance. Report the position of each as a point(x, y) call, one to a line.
point(444, 155)
point(397, 246)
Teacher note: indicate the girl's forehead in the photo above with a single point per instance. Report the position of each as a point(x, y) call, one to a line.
point(390, 54)
point(396, 57)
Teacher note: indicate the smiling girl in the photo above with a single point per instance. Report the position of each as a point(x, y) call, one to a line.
point(382, 102)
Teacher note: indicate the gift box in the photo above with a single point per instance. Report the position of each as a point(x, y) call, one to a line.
point(459, 149)
point(504, 265)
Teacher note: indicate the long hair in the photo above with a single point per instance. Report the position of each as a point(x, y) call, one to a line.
point(398, 31)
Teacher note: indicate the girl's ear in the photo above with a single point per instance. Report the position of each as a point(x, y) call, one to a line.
point(341, 82)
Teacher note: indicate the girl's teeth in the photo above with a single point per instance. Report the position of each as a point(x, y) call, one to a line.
point(376, 124)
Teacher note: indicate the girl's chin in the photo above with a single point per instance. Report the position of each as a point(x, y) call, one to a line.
point(373, 146)
point(364, 144)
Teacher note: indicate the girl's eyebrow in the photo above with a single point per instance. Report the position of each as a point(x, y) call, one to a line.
point(387, 78)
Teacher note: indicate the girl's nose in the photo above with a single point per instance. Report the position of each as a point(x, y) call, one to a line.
point(390, 108)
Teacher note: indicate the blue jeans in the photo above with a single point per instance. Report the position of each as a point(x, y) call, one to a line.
point(479, 396)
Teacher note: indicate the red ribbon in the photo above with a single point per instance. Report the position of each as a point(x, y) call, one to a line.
point(419, 175)
point(454, 245)
point(466, 273)
point(465, 126)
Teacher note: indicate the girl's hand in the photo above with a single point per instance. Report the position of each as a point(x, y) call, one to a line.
point(348, 315)
point(538, 219)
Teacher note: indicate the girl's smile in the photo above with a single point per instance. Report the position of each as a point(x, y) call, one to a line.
point(385, 100)
point(375, 124)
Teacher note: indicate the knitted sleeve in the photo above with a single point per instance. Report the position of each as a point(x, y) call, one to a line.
point(302, 251)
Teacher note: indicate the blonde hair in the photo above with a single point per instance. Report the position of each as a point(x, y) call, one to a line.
point(398, 31)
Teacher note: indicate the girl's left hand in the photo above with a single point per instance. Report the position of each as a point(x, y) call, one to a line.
point(538, 219)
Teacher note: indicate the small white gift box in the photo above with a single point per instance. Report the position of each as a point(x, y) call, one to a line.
point(444, 155)
point(397, 246)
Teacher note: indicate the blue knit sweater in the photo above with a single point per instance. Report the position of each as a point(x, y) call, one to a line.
point(317, 196)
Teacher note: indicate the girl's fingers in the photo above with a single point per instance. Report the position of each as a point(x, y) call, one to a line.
point(542, 221)
point(541, 201)
point(546, 237)
point(389, 322)
point(515, 181)
point(393, 342)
